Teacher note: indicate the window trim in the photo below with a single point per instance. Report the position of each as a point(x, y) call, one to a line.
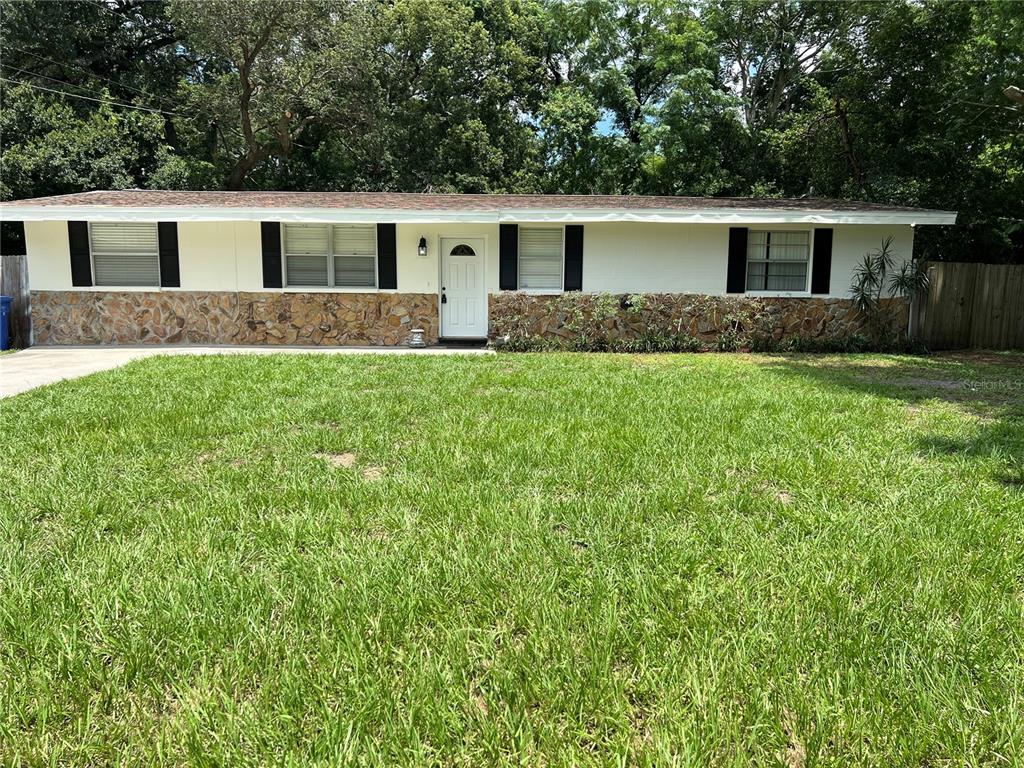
point(117, 286)
point(330, 287)
point(561, 263)
point(805, 291)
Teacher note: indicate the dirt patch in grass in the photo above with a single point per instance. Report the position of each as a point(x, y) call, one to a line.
point(373, 473)
point(795, 753)
point(780, 494)
point(477, 697)
point(1013, 359)
point(346, 460)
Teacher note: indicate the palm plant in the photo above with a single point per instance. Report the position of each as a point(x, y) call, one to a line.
point(877, 278)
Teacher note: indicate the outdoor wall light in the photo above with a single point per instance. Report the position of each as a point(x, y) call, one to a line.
point(421, 249)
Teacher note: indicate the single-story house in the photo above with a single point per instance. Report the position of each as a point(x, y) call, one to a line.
point(135, 266)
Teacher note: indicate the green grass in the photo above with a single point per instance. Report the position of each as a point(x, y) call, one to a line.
point(542, 560)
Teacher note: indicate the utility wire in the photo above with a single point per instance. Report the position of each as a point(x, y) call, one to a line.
point(67, 64)
point(98, 101)
point(73, 85)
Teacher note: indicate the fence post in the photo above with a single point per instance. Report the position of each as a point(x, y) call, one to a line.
point(14, 283)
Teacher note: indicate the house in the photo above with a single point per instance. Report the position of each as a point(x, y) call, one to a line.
point(141, 266)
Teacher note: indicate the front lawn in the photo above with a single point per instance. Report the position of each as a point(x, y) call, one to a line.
point(542, 560)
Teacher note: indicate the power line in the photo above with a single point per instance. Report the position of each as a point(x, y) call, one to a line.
point(98, 101)
point(81, 69)
point(72, 85)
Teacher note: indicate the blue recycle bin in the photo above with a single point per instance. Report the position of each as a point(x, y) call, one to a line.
point(5, 322)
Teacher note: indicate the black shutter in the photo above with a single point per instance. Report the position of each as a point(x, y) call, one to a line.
point(78, 243)
point(821, 269)
point(271, 234)
point(736, 277)
point(574, 257)
point(387, 257)
point(508, 259)
point(167, 236)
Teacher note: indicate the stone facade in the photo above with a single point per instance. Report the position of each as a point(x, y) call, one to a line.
point(195, 317)
point(622, 317)
point(385, 319)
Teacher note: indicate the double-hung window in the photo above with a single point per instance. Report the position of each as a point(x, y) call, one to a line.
point(541, 254)
point(124, 254)
point(330, 255)
point(777, 261)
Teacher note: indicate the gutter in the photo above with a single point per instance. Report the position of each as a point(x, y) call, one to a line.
point(494, 216)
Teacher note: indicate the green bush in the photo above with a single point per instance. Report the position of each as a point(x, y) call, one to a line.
point(855, 343)
point(592, 323)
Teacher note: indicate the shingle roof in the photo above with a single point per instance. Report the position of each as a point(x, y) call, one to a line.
point(403, 201)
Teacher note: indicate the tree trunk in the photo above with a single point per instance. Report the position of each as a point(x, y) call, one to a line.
point(847, 138)
point(243, 167)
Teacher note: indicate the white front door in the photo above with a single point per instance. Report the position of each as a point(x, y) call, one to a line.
point(463, 296)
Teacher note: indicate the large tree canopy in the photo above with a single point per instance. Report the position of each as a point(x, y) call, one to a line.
point(909, 102)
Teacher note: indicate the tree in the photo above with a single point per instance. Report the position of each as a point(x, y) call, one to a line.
point(451, 88)
point(770, 47)
point(876, 279)
point(913, 102)
point(48, 149)
point(622, 59)
point(272, 71)
point(882, 102)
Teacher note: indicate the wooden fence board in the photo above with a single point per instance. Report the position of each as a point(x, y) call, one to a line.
point(979, 306)
point(14, 283)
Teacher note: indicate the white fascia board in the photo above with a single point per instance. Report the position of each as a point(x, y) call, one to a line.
point(511, 216)
point(729, 216)
point(179, 213)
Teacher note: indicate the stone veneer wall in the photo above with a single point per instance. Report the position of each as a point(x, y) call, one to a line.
point(195, 317)
point(704, 317)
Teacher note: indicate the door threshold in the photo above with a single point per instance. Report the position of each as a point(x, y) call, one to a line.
point(463, 342)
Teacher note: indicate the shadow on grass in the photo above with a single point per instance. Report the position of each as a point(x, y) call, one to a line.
point(989, 387)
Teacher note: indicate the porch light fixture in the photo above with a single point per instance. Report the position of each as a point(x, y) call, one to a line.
point(421, 249)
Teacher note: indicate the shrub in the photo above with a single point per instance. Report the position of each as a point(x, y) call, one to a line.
point(877, 276)
point(854, 343)
point(601, 323)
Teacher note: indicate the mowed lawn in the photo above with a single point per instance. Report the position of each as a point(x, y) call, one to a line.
point(531, 559)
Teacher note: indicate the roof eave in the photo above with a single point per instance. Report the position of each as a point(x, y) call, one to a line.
point(495, 216)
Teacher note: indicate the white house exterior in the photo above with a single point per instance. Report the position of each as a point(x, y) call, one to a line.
point(365, 268)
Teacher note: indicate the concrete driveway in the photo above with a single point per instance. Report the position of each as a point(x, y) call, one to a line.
point(36, 366)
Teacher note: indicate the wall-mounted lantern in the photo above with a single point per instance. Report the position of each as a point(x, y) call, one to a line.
point(421, 249)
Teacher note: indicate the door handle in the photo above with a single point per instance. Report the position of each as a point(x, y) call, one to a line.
point(444, 296)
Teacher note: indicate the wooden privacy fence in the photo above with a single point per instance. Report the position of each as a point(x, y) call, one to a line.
point(973, 306)
point(14, 283)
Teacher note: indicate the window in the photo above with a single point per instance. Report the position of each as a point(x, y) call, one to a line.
point(355, 255)
point(124, 254)
point(777, 261)
point(324, 255)
point(540, 259)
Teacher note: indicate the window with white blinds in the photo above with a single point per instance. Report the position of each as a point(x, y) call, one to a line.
point(124, 254)
point(540, 258)
point(305, 255)
point(355, 255)
point(777, 261)
point(323, 255)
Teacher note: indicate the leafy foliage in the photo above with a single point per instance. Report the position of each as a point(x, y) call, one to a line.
point(876, 278)
point(882, 102)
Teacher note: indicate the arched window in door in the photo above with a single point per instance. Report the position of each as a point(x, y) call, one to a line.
point(462, 250)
